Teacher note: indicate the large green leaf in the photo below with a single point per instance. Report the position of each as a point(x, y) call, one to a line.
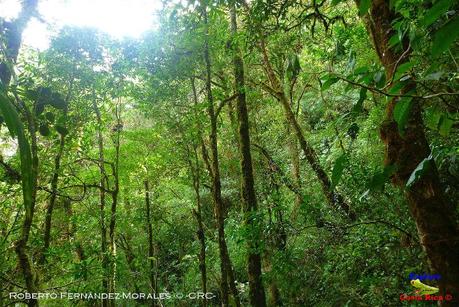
point(364, 6)
point(338, 169)
point(435, 12)
point(17, 130)
point(401, 113)
point(445, 125)
point(445, 36)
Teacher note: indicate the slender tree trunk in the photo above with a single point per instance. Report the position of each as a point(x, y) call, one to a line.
point(334, 199)
point(151, 251)
point(256, 289)
point(434, 216)
point(72, 229)
point(103, 179)
point(52, 199)
point(54, 183)
point(196, 174)
point(125, 244)
point(216, 183)
point(292, 144)
point(116, 188)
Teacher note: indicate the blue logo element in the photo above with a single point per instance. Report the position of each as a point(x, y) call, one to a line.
point(424, 276)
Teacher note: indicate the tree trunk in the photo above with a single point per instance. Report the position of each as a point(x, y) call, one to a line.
point(112, 227)
point(216, 183)
point(256, 289)
point(292, 144)
point(54, 183)
point(72, 229)
point(196, 174)
point(433, 215)
point(334, 199)
point(151, 251)
point(103, 179)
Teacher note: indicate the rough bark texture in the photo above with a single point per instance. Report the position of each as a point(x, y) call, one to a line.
point(335, 199)
point(434, 217)
point(256, 289)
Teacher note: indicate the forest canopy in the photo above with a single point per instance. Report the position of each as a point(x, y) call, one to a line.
point(232, 153)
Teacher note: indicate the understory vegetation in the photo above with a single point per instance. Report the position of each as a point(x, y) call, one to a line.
point(268, 153)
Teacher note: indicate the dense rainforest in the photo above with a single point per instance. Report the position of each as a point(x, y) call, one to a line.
point(241, 153)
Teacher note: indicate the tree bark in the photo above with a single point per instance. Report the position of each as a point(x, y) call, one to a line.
point(114, 193)
point(54, 183)
point(151, 250)
point(196, 174)
point(103, 179)
point(334, 199)
point(256, 288)
point(216, 182)
point(435, 218)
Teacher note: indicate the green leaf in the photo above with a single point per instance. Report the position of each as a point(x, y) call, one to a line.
point(364, 6)
point(50, 117)
point(433, 116)
point(435, 12)
point(445, 36)
point(16, 129)
point(445, 125)
point(44, 130)
point(338, 168)
point(402, 69)
point(61, 130)
point(401, 113)
point(362, 96)
point(379, 179)
point(419, 170)
point(329, 81)
point(2, 120)
point(353, 130)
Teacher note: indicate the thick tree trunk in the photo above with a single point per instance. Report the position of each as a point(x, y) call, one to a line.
point(103, 227)
point(435, 218)
point(334, 199)
point(256, 289)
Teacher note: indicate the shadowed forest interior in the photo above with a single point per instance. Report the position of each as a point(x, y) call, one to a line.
point(238, 153)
